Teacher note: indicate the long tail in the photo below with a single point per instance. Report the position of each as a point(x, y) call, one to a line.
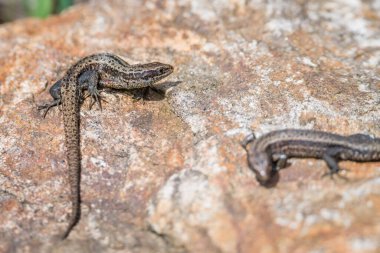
point(74, 218)
point(71, 119)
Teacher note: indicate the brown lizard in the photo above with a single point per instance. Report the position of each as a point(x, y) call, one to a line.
point(92, 73)
point(269, 153)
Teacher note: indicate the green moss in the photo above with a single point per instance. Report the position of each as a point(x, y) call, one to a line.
point(63, 4)
point(44, 8)
point(39, 8)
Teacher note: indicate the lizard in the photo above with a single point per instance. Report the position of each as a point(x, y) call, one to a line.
point(269, 153)
point(93, 73)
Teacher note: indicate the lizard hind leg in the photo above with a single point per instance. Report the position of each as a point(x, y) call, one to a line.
point(55, 92)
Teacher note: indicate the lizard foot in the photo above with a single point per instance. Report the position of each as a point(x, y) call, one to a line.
point(332, 173)
point(96, 98)
point(47, 107)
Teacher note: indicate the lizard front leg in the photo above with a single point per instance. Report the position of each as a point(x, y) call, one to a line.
point(331, 157)
point(89, 80)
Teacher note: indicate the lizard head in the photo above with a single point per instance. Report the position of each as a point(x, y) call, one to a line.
point(154, 71)
point(260, 163)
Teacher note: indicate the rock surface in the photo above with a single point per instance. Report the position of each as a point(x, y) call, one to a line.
point(168, 174)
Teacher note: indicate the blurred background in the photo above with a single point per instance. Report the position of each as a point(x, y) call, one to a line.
point(15, 9)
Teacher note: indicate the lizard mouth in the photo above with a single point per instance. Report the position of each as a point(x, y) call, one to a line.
point(263, 179)
point(267, 179)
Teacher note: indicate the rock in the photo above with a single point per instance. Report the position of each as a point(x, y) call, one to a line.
point(168, 174)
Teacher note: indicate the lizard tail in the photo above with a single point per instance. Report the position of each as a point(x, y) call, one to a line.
point(74, 217)
point(71, 118)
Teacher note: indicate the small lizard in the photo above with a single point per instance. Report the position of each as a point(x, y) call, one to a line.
point(92, 73)
point(269, 153)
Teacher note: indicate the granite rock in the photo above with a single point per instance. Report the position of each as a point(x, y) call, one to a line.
point(168, 174)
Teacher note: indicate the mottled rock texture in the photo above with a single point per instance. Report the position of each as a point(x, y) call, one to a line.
point(168, 174)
